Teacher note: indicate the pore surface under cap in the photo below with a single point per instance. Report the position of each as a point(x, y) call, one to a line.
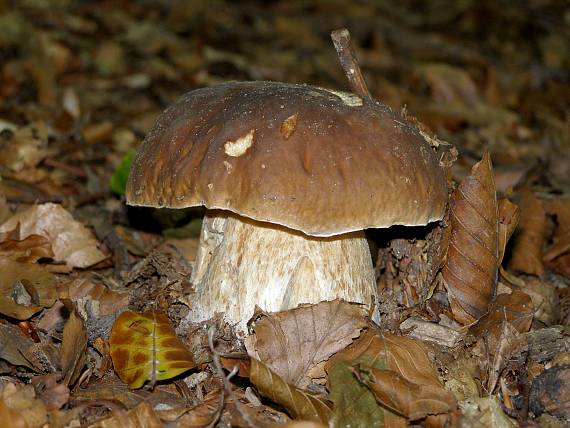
point(319, 161)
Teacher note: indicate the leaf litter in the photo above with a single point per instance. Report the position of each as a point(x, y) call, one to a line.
point(474, 310)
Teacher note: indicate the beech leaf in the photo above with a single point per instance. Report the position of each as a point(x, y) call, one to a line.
point(73, 348)
point(404, 397)
point(528, 239)
point(29, 249)
point(557, 256)
point(354, 403)
point(470, 271)
point(509, 214)
point(293, 342)
point(25, 289)
point(300, 404)
point(71, 242)
point(144, 348)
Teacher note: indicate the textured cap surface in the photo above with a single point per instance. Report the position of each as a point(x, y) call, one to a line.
point(315, 160)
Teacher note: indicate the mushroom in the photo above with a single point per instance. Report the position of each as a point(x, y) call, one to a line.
point(291, 175)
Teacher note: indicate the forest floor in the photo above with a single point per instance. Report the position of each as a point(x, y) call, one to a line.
point(82, 83)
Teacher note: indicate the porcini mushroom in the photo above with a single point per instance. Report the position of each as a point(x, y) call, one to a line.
point(291, 175)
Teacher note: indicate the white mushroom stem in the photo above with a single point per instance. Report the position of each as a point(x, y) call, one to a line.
point(242, 264)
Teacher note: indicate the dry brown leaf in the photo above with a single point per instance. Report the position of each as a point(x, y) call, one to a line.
point(5, 212)
point(544, 295)
point(561, 239)
point(28, 250)
point(293, 342)
point(507, 177)
point(109, 301)
point(508, 221)
point(500, 333)
point(26, 148)
point(404, 397)
point(203, 414)
point(25, 289)
point(243, 365)
point(72, 353)
point(54, 395)
point(71, 242)
point(300, 404)
point(14, 346)
point(501, 347)
point(470, 271)
point(11, 418)
point(301, 424)
point(354, 403)
point(450, 84)
point(22, 401)
point(128, 398)
point(527, 249)
point(142, 416)
point(516, 308)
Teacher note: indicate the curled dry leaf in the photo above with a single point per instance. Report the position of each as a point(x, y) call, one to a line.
point(26, 147)
point(508, 220)
point(142, 416)
point(14, 346)
point(558, 254)
point(354, 403)
point(71, 242)
point(25, 289)
point(404, 397)
point(500, 329)
point(201, 415)
point(109, 301)
point(516, 308)
point(72, 354)
point(470, 271)
point(144, 347)
point(300, 404)
point(23, 401)
point(293, 342)
point(527, 248)
point(542, 293)
point(28, 250)
point(560, 208)
point(502, 346)
point(54, 395)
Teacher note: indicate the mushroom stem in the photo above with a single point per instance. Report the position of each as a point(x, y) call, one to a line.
point(349, 62)
point(242, 263)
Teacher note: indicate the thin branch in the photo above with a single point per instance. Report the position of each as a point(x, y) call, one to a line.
point(349, 62)
point(227, 389)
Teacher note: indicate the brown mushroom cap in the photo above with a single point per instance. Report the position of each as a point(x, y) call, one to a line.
point(319, 161)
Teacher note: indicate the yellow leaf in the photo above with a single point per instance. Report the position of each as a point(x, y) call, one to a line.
point(144, 348)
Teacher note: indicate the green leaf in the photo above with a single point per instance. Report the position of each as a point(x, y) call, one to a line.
point(118, 183)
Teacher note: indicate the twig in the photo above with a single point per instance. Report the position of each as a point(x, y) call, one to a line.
point(227, 389)
point(349, 62)
point(73, 170)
